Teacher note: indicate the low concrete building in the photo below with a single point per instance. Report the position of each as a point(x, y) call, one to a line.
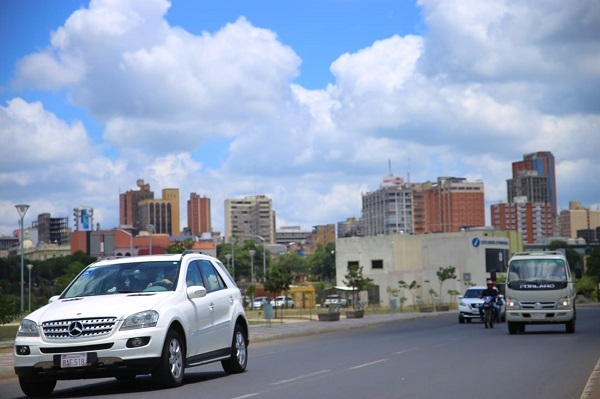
point(476, 255)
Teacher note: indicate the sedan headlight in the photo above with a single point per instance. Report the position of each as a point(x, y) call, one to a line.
point(563, 303)
point(148, 318)
point(28, 328)
point(461, 303)
point(512, 304)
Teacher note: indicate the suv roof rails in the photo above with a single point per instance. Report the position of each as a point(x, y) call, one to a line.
point(191, 251)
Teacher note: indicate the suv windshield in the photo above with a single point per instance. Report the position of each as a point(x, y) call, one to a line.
point(124, 277)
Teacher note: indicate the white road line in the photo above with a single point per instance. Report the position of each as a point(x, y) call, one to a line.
point(300, 377)
point(406, 351)
point(368, 364)
point(247, 396)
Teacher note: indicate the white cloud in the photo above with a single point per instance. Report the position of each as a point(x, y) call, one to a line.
point(487, 83)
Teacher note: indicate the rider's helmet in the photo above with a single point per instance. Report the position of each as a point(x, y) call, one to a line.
point(490, 283)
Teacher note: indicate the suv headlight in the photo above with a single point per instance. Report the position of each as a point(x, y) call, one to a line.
point(461, 303)
point(28, 328)
point(144, 319)
point(563, 303)
point(512, 304)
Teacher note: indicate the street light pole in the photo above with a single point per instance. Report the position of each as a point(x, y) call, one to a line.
point(29, 266)
point(263, 252)
point(150, 229)
point(22, 209)
point(252, 252)
point(232, 241)
point(228, 257)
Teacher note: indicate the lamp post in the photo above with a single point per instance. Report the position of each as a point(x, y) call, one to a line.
point(251, 252)
point(150, 229)
point(232, 241)
point(228, 257)
point(130, 240)
point(22, 209)
point(263, 252)
point(29, 266)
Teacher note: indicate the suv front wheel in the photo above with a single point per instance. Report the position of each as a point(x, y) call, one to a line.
point(170, 370)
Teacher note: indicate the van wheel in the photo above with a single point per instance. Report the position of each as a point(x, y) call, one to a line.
point(239, 353)
point(570, 326)
point(170, 369)
point(36, 387)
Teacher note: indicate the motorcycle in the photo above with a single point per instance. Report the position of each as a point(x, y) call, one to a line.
point(488, 311)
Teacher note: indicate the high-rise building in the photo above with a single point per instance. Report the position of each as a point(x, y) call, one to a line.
point(198, 214)
point(162, 214)
point(577, 218)
point(252, 215)
point(448, 205)
point(128, 205)
point(531, 193)
point(532, 219)
point(543, 164)
point(388, 210)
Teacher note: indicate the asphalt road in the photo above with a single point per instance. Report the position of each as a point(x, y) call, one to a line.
point(433, 357)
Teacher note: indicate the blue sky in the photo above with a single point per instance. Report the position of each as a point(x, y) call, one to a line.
point(304, 101)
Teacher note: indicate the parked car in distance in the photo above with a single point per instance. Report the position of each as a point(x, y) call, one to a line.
point(258, 302)
point(130, 316)
point(468, 307)
point(285, 302)
point(335, 300)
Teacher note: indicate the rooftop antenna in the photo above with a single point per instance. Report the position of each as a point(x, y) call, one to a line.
point(390, 166)
point(408, 173)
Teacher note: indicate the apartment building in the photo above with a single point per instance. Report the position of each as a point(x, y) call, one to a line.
point(198, 214)
point(578, 219)
point(250, 216)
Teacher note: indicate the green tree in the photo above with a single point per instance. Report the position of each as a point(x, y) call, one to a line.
point(179, 246)
point(9, 308)
point(322, 263)
point(588, 287)
point(445, 273)
point(593, 264)
point(354, 279)
point(412, 289)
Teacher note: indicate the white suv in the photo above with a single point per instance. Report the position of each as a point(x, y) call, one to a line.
point(130, 316)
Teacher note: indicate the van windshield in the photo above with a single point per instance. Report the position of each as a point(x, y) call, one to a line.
point(537, 270)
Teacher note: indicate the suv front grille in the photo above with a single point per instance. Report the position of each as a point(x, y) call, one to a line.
point(78, 328)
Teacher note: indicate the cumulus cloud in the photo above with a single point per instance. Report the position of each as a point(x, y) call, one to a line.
point(486, 83)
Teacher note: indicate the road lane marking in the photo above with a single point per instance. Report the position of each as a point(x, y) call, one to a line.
point(406, 351)
point(300, 377)
point(247, 396)
point(368, 364)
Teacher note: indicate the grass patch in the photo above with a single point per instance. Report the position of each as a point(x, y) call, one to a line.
point(8, 331)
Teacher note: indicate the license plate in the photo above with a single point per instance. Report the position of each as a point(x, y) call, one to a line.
point(73, 360)
point(538, 316)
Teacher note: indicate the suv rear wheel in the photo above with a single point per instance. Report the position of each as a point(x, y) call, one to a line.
point(239, 353)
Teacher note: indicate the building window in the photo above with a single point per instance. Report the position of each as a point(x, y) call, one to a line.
point(377, 264)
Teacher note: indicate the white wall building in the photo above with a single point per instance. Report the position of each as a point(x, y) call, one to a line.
point(389, 259)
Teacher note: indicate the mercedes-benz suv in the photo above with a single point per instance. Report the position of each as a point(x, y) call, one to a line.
point(129, 316)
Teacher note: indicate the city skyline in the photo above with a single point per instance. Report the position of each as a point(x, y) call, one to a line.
point(304, 102)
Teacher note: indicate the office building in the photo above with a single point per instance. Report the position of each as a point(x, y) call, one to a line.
point(323, 235)
point(579, 219)
point(388, 210)
point(543, 164)
point(129, 214)
point(250, 216)
point(198, 215)
point(351, 227)
point(161, 214)
point(532, 219)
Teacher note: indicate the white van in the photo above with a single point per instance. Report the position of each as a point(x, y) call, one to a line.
point(539, 290)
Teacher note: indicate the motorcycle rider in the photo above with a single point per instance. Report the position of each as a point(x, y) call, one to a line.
point(492, 291)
